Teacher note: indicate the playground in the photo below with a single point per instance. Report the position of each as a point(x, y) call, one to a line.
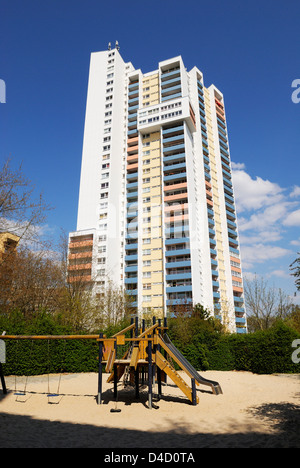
point(146, 395)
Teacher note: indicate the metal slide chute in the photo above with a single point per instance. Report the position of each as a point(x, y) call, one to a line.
point(169, 347)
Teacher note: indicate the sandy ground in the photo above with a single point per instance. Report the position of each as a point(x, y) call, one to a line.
point(253, 411)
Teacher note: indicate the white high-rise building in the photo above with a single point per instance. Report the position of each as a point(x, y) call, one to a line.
point(156, 208)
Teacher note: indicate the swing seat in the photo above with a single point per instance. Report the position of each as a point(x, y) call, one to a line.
point(20, 393)
point(52, 395)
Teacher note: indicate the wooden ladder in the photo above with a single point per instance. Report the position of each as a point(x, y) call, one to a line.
point(164, 365)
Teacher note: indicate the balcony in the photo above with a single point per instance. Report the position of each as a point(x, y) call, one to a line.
point(172, 139)
point(168, 75)
point(132, 280)
point(132, 246)
point(178, 289)
point(175, 176)
point(178, 276)
point(177, 196)
point(178, 264)
point(177, 128)
point(170, 149)
point(173, 158)
point(131, 268)
point(174, 167)
point(177, 252)
point(181, 240)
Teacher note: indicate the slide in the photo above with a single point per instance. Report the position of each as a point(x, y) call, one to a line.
point(187, 367)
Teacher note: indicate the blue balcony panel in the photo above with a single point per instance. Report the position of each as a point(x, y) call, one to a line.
point(178, 240)
point(179, 175)
point(175, 167)
point(173, 157)
point(171, 96)
point(131, 292)
point(178, 276)
point(130, 269)
point(187, 300)
point(131, 280)
point(173, 148)
point(171, 130)
point(131, 246)
point(179, 264)
point(164, 76)
point(130, 258)
point(175, 253)
point(178, 289)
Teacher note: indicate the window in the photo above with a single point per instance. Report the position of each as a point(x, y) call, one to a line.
point(102, 260)
point(102, 238)
point(146, 298)
point(104, 194)
point(105, 185)
point(147, 286)
point(147, 274)
point(101, 272)
point(106, 148)
point(147, 252)
point(147, 263)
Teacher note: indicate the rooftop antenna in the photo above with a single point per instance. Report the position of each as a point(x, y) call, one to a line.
point(117, 46)
point(109, 46)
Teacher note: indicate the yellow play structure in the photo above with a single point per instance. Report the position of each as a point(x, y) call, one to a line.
point(149, 357)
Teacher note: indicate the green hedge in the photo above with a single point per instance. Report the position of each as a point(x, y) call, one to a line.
point(202, 342)
point(264, 352)
point(35, 357)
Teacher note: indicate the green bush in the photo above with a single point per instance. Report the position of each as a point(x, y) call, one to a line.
point(201, 341)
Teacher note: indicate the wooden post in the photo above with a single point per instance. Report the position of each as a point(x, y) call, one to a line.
point(100, 370)
point(115, 381)
point(150, 372)
point(3, 380)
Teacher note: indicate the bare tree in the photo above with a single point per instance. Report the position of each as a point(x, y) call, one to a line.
point(295, 267)
point(264, 304)
point(21, 211)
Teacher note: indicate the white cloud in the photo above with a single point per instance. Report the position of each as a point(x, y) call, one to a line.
point(295, 242)
point(254, 194)
point(293, 219)
point(259, 253)
point(296, 192)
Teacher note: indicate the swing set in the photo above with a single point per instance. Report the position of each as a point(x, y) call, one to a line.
point(149, 358)
point(51, 395)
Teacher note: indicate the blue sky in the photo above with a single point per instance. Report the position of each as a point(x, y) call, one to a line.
point(248, 49)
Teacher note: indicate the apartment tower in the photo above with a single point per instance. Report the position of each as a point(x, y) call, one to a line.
point(156, 209)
